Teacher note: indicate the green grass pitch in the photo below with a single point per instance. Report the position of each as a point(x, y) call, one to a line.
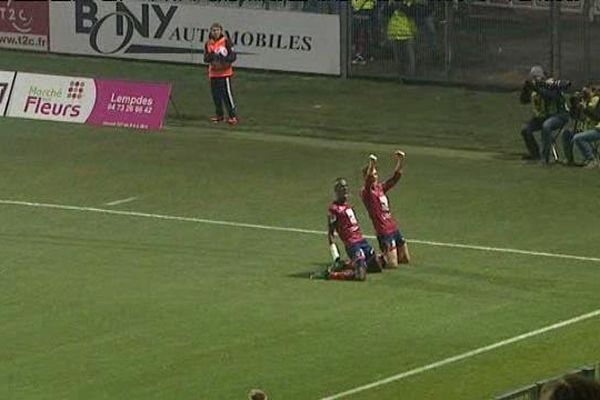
point(113, 306)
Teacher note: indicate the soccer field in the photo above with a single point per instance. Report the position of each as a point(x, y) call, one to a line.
point(174, 265)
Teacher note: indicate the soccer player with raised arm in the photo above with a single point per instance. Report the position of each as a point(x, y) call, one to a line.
point(373, 194)
point(342, 220)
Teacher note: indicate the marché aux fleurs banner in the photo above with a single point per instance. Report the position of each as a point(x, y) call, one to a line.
point(101, 102)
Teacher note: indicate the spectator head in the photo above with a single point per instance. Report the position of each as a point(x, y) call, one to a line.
point(571, 387)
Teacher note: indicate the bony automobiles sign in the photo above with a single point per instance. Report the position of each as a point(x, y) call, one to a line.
point(125, 22)
point(168, 31)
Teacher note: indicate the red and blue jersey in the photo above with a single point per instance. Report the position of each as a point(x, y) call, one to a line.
point(343, 218)
point(377, 204)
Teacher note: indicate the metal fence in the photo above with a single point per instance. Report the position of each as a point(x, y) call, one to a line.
point(478, 42)
point(532, 392)
point(492, 42)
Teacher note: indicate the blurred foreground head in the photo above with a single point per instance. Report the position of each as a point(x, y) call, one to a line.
point(257, 394)
point(571, 387)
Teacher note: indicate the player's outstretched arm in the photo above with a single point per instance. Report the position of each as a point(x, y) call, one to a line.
point(333, 249)
point(391, 182)
point(331, 221)
point(400, 157)
point(372, 163)
point(370, 171)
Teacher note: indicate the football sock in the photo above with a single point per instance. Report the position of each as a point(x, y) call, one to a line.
point(346, 275)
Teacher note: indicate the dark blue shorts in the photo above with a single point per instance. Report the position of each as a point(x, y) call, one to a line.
point(360, 251)
point(394, 239)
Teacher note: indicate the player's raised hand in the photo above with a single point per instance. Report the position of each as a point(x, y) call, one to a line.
point(401, 156)
point(373, 158)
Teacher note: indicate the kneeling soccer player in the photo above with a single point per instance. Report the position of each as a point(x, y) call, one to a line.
point(342, 219)
point(373, 194)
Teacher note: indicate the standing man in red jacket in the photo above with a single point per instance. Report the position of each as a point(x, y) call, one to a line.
point(219, 55)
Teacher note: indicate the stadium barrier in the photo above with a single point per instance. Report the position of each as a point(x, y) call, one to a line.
point(480, 42)
point(489, 43)
point(177, 32)
point(100, 102)
point(532, 392)
point(7, 79)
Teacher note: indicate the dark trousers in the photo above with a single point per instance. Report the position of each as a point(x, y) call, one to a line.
point(363, 34)
point(534, 124)
point(404, 54)
point(547, 126)
point(222, 93)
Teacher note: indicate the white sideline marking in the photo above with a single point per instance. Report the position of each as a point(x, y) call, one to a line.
point(285, 229)
point(503, 250)
point(390, 379)
point(114, 203)
point(463, 356)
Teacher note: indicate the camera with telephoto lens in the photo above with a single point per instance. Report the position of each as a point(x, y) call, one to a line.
point(553, 84)
point(576, 104)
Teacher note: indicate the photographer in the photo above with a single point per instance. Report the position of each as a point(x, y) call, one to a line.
point(591, 133)
point(550, 112)
point(578, 103)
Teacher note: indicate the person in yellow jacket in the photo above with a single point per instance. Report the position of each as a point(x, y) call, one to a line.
point(535, 123)
point(401, 31)
point(585, 139)
point(363, 19)
point(581, 109)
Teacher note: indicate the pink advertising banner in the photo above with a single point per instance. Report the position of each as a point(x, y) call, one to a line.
point(103, 102)
point(130, 104)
